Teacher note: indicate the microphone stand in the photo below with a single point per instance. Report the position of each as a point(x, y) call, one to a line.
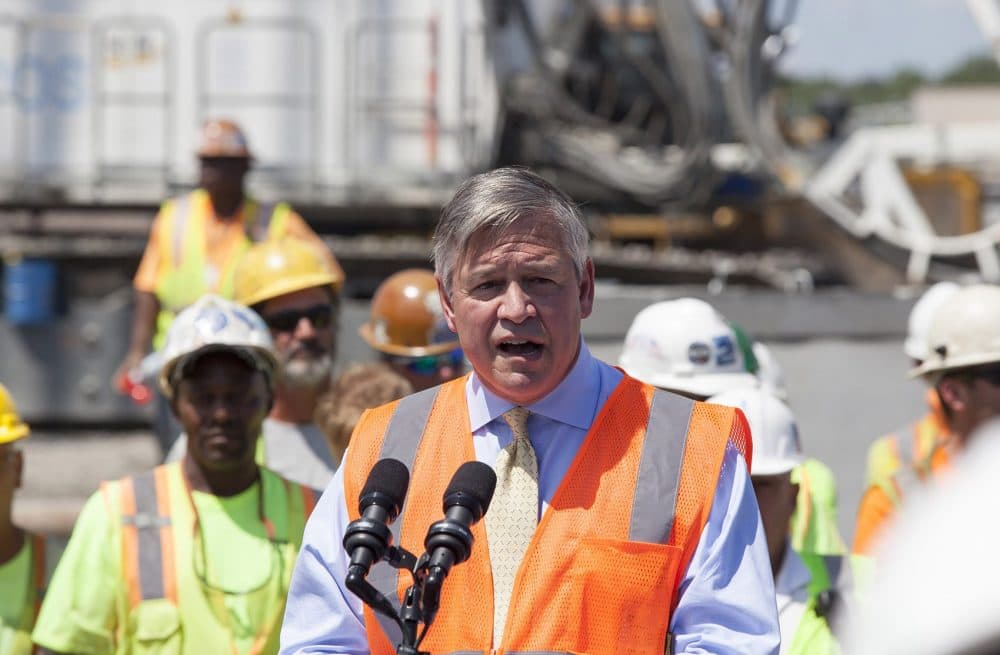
point(411, 614)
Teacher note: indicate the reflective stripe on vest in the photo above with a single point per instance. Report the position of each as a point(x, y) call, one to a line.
point(147, 538)
point(636, 456)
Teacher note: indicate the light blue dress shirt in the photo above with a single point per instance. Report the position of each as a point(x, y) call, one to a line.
point(726, 598)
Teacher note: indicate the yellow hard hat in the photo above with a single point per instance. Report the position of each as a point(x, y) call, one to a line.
point(406, 317)
point(12, 427)
point(222, 138)
point(279, 266)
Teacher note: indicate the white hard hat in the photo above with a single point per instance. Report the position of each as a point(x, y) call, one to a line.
point(769, 371)
point(921, 316)
point(687, 346)
point(776, 445)
point(212, 324)
point(965, 331)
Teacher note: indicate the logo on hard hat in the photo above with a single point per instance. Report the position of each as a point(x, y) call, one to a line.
point(699, 353)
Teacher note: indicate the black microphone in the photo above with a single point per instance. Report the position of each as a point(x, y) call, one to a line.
point(449, 541)
point(367, 538)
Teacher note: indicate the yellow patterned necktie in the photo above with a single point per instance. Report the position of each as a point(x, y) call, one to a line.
point(513, 514)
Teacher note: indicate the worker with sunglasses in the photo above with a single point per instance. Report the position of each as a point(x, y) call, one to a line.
point(196, 242)
point(962, 366)
point(289, 283)
point(192, 557)
point(407, 329)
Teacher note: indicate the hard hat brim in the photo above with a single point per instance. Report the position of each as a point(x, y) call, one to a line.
point(763, 465)
point(707, 384)
point(259, 359)
point(937, 366)
point(367, 332)
point(291, 285)
point(18, 432)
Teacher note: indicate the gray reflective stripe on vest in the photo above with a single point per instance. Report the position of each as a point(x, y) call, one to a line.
point(655, 501)
point(402, 438)
point(182, 210)
point(261, 225)
point(147, 522)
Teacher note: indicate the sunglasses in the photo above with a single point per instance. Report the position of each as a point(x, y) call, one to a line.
point(428, 364)
point(321, 316)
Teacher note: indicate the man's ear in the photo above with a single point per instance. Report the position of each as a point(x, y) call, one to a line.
point(449, 312)
point(954, 393)
point(794, 495)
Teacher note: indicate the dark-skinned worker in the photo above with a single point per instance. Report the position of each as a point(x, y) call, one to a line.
point(812, 588)
point(686, 346)
point(407, 329)
point(287, 281)
point(962, 366)
point(623, 519)
point(195, 244)
point(917, 448)
point(195, 556)
point(22, 555)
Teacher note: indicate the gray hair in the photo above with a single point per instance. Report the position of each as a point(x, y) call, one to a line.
point(488, 204)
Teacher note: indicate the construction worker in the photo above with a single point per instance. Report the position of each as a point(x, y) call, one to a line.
point(688, 347)
point(809, 585)
point(408, 330)
point(195, 556)
point(614, 564)
point(22, 555)
point(914, 450)
point(362, 386)
point(288, 282)
point(952, 606)
point(195, 244)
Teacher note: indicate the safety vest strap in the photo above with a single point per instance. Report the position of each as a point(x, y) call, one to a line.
point(655, 501)
point(258, 229)
point(38, 569)
point(147, 539)
point(402, 438)
point(181, 213)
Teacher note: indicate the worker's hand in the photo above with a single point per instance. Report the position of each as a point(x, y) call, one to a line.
point(131, 363)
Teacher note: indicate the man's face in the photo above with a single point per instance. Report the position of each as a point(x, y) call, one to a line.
point(973, 398)
point(776, 495)
point(221, 403)
point(304, 330)
point(11, 466)
point(223, 175)
point(516, 304)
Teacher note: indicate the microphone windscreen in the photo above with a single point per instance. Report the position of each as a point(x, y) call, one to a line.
point(473, 479)
point(389, 477)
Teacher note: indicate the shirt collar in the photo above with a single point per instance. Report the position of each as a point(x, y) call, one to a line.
point(573, 401)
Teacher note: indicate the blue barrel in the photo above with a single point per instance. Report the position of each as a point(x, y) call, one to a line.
point(30, 291)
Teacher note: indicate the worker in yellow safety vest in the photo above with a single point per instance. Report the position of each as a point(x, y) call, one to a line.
point(916, 451)
point(196, 242)
point(196, 556)
point(22, 555)
point(686, 346)
point(811, 588)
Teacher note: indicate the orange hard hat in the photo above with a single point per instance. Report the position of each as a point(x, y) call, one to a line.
point(222, 138)
point(406, 317)
point(279, 266)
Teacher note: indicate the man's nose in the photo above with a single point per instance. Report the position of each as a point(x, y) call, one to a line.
point(516, 305)
point(305, 329)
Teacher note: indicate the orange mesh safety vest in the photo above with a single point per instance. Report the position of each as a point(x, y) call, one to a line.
point(602, 570)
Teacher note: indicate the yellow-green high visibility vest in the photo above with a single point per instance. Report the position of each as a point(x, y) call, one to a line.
point(814, 526)
point(832, 577)
point(16, 639)
point(168, 607)
point(182, 239)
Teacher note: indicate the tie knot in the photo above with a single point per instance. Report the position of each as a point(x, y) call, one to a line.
point(517, 419)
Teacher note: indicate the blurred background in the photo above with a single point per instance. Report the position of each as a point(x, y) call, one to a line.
point(808, 167)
